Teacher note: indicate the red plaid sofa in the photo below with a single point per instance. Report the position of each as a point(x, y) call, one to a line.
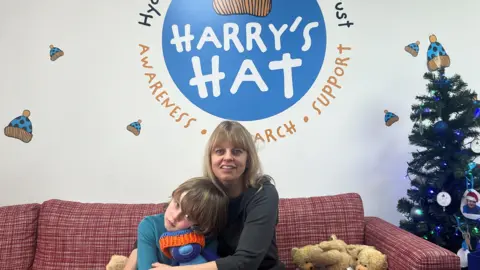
point(60, 235)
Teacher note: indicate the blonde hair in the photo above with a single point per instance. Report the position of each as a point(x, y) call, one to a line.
point(236, 134)
point(205, 204)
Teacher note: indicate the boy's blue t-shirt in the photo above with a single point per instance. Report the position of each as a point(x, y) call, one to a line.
point(149, 231)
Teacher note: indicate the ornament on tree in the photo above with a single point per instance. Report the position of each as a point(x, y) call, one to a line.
point(420, 120)
point(390, 118)
point(416, 213)
point(469, 206)
point(476, 103)
point(469, 184)
point(437, 57)
point(440, 127)
point(471, 165)
point(475, 146)
point(444, 199)
point(420, 127)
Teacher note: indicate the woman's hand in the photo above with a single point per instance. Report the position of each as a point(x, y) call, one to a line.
point(159, 266)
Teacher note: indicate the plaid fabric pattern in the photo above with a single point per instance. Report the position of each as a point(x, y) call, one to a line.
point(405, 251)
point(18, 233)
point(305, 221)
point(74, 235)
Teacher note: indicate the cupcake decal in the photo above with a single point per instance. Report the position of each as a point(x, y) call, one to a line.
point(135, 127)
point(20, 128)
point(259, 8)
point(437, 57)
point(390, 118)
point(55, 53)
point(413, 48)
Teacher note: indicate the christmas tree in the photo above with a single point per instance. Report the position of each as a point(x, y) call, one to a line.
point(443, 203)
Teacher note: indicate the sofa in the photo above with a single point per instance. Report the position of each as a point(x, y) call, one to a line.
point(60, 235)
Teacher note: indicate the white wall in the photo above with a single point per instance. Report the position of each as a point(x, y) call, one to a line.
point(81, 103)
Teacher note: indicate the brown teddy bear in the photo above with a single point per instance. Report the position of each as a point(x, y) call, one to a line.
point(354, 250)
point(371, 259)
point(335, 254)
point(331, 255)
point(333, 243)
point(117, 262)
point(301, 256)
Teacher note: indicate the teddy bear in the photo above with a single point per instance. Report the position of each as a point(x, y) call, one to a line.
point(371, 259)
point(367, 257)
point(354, 250)
point(335, 254)
point(301, 256)
point(331, 255)
point(117, 262)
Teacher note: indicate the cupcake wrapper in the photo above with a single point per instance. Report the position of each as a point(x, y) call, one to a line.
point(260, 8)
point(56, 56)
point(391, 121)
point(18, 133)
point(133, 130)
point(439, 62)
point(411, 51)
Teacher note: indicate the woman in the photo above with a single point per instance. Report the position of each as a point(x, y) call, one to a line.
point(249, 239)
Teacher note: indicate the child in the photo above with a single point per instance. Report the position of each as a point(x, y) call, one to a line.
point(178, 236)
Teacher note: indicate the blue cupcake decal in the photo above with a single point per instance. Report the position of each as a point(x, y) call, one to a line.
point(55, 53)
point(437, 57)
point(390, 118)
point(20, 128)
point(135, 127)
point(413, 48)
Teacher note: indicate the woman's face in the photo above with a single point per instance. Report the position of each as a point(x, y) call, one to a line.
point(228, 163)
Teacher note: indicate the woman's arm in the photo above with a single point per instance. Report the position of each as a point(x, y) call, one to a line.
point(147, 246)
point(256, 237)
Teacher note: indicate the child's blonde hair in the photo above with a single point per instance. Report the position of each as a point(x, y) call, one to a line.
point(204, 203)
point(236, 134)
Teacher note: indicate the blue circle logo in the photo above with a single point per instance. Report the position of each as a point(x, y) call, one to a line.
point(244, 60)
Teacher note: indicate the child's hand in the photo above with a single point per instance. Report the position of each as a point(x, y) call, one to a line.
point(159, 266)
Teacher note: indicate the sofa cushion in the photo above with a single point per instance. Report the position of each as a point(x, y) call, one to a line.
point(18, 234)
point(73, 235)
point(305, 221)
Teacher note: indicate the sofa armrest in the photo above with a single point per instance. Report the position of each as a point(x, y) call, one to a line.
point(405, 250)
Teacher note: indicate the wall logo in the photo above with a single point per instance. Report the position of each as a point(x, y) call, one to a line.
point(244, 60)
point(244, 67)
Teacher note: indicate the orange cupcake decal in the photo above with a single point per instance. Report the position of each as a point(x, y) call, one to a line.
point(259, 8)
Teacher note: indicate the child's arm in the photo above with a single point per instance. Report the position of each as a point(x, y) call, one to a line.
point(147, 245)
point(132, 261)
